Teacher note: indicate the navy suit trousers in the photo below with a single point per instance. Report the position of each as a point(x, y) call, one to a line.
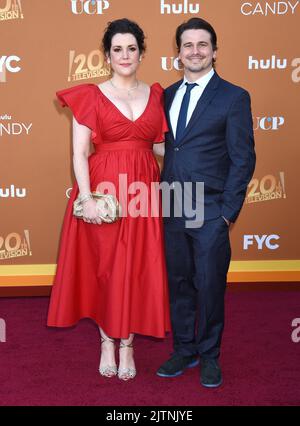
point(198, 262)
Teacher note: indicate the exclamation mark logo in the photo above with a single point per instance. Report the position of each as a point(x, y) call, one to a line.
point(26, 232)
point(282, 180)
point(71, 61)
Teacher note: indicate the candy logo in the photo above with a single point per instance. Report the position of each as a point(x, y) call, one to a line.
point(10, 128)
point(267, 8)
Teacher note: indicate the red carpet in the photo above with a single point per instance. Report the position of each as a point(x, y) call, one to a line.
point(261, 364)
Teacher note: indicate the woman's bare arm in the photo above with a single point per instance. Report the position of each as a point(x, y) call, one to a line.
point(159, 149)
point(81, 152)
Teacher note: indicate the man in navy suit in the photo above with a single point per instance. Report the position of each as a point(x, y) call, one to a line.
point(210, 140)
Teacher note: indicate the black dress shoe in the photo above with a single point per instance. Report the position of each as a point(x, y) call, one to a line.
point(211, 375)
point(176, 365)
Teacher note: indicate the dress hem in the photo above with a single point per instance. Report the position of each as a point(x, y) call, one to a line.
point(69, 325)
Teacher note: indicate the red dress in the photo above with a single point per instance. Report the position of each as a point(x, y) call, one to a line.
point(114, 273)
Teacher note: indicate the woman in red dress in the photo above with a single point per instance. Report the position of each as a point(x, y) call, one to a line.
point(114, 273)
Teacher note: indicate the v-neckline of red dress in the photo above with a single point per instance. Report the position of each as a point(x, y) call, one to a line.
point(120, 112)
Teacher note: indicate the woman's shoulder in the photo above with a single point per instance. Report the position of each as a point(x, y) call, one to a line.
point(154, 87)
point(79, 96)
point(78, 93)
point(79, 88)
point(157, 87)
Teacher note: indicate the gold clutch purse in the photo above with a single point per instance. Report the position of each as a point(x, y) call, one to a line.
point(108, 207)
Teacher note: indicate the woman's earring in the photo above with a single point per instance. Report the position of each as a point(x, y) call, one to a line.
point(108, 66)
point(140, 60)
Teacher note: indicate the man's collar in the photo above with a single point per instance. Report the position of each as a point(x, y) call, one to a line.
point(202, 81)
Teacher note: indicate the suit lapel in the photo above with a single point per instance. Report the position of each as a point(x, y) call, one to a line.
point(205, 99)
point(168, 103)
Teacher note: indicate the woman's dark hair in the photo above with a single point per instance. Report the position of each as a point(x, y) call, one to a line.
point(196, 24)
point(123, 26)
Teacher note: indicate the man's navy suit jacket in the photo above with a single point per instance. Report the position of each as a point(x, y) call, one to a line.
point(217, 147)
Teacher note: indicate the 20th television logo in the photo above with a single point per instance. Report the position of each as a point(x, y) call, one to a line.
point(11, 10)
point(15, 245)
point(83, 67)
point(267, 188)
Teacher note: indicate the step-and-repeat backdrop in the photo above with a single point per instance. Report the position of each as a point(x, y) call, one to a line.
point(50, 45)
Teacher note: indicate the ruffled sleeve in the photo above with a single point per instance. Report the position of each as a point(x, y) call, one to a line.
point(82, 102)
point(163, 127)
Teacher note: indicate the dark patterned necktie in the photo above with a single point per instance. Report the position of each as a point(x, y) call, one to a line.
point(182, 118)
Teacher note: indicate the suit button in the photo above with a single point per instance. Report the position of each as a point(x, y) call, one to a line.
point(176, 149)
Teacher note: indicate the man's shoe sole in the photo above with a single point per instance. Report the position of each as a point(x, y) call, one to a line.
point(178, 373)
point(212, 386)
